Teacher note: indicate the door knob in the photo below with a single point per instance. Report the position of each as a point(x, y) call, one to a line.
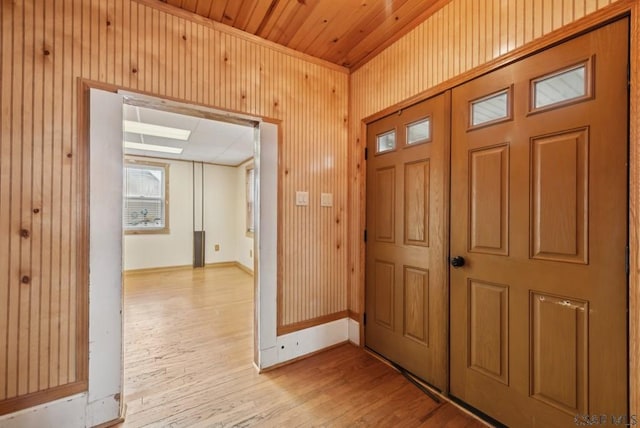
point(457, 261)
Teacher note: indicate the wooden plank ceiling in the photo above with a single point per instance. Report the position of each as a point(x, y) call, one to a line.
point(344, 32)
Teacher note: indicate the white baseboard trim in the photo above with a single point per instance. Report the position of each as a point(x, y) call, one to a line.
point(268, 358)
point(101, 411)
point(66, 412)
point(354, 331)
point(299, 343)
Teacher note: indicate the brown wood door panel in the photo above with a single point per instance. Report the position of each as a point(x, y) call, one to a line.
point(406, 268)
point(416, 202)
point(539, 212)
point(488, 343)
point(489, 200)
point(559, 201)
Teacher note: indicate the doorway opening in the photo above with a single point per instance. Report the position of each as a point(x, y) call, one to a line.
point(188, 189)
point(188, 229)
point(106, 166)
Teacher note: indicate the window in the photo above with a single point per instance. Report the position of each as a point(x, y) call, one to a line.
point(386, 141)
point(250, 195)
point(491, 109)
point(419, 132)
point(561, 87)
point(146, 206)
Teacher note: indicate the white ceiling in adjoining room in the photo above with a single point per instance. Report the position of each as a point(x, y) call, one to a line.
point(210, 141)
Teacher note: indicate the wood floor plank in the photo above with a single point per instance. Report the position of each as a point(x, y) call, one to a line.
point(188, 363)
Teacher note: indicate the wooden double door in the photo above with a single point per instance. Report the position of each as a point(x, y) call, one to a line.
point(525, 315)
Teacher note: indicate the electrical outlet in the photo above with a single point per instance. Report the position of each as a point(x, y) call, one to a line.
point(217, 247)
point(250, 254)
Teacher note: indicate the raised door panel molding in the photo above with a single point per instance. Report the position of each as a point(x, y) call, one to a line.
point(384, 292)
point(489, 200)
point(488, 329)
point(559, 345)
point(560, 196)
point(385, 190)
point(416, 202)
point(416, 304)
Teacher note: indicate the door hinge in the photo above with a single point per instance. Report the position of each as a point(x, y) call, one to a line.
point(366, 153)
point(626, 260)
point(365, 235)
point(364, 318)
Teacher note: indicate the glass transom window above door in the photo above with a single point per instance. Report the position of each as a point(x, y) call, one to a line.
point(490, 109)
point(386, 141)
point(419, 131)
point(561, 87)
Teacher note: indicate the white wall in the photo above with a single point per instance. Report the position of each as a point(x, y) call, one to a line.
point(176, 248)
point(244, 243)
point(221, 213)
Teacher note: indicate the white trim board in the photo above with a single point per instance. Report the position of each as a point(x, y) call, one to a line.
point(354, 332)
point(307, 341)
point(66, 412)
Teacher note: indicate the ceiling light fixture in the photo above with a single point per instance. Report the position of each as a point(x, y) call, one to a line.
point(152, 147)
point(156, 130)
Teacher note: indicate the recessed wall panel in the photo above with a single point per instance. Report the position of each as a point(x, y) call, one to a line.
point(416, 304)
point(559, 180)
point(559, 342)
point(488, 329)
point(489, 200)
point(416, 197)
point(385, 185)
point(384, 286)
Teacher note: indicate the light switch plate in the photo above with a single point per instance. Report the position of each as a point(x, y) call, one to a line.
point(326, 199)
point(302, 198)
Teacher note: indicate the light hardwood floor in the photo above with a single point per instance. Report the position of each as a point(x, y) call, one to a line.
point(188, 362)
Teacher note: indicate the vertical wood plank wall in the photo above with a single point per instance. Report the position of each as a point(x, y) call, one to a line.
point(456, 39)
point(46, 46)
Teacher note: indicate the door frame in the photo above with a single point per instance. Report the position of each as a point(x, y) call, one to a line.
point(266, 268)
point(617, 10)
